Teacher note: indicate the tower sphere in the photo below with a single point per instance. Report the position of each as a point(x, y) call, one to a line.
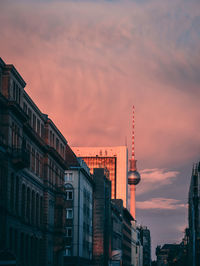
point(133, 177)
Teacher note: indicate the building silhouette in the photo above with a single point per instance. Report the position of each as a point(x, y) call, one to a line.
point(145, 238)
point(194, 217)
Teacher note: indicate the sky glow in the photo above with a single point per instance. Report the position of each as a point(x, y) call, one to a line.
point(87, 62)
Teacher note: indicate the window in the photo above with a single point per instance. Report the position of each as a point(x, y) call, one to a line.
point(38, 126)
point(34, 122)
point(68, 177)
point(68, 251)
point(25, 107)
point(28, 205)
point(68, 232)
point(12, 191)
point(29, 115)
point(14, 91)
point(61, 149)
point(69, 214)
point(53, 141)
point(42, 130)
point(69, 194)
point(37, 164)
point(57, 144)
point(51, 138)
point(33, 160)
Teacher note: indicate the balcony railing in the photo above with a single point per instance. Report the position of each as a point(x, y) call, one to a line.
point(21, 158)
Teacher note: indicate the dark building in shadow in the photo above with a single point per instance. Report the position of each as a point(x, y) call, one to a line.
point(32, 165)
point(194, 217)
point(101, 218)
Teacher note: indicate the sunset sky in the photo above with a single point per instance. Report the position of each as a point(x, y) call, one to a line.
point(87, 62)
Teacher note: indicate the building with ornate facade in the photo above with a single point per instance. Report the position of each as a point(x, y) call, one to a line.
point(32, 165)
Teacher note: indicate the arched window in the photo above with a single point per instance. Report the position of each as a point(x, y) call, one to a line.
point(23, 198)
point(33, 160)
point(41, 211)
point(37, 164)
point(12, 191)
point(37, 209)
point(16, 241)
point(17, 195)
point(28, 205)
point(33, 207)
point(27, 250)
point(22, 248)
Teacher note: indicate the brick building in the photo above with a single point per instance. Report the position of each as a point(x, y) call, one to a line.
point(32, 165)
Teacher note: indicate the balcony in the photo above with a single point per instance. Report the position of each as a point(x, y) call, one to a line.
point(21, 158)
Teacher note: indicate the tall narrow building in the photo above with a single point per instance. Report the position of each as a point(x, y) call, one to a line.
point(194, 217)
point(133, 174)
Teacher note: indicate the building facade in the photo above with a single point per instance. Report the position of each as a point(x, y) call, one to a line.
point(136, 246)
point(79, 211)
point(116, 233)
point(115, 159)
point(32, 165)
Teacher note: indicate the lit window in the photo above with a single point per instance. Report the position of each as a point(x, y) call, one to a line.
point(69, 214)
point(69, 194)
point(68, 251)
point(68, 177)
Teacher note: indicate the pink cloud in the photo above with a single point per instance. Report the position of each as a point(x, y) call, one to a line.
point(160, 204)
point(85, 66)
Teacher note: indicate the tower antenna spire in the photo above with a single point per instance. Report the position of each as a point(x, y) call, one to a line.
point(133, 135)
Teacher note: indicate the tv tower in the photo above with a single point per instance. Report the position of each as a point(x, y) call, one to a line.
point(133, 174)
